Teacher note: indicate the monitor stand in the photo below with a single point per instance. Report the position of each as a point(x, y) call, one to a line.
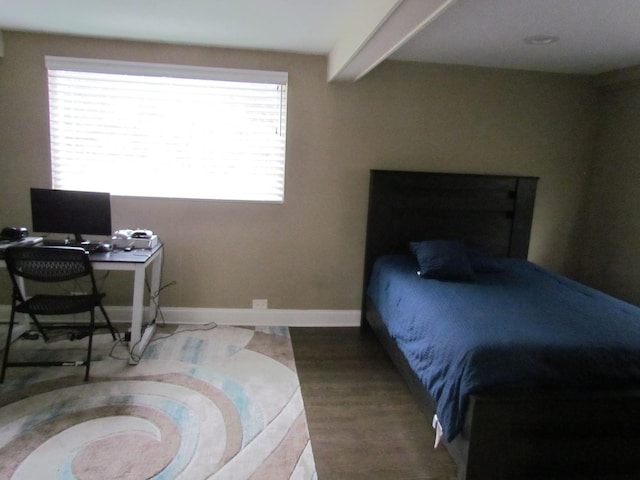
point(79, 241)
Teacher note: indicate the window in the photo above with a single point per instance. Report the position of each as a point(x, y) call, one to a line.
point(155, 130)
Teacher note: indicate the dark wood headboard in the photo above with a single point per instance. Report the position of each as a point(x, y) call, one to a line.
point(492, 211)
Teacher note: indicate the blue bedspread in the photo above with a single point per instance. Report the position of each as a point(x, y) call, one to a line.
point(524, 327)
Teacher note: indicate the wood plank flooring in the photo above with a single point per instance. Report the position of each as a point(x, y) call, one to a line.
point(363, 421)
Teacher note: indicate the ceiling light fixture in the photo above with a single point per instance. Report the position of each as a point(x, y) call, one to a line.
point(541, 39)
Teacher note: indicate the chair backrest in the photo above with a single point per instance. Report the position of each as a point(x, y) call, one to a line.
point(48, 264)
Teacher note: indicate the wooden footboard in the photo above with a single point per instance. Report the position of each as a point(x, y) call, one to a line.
point(537, 435)
point(554, 435)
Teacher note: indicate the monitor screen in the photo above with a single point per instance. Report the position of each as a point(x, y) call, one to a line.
point(71, 212)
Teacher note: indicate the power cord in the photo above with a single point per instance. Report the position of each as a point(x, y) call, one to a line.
point(204, 328)
point(137, 358)
point(155, 298)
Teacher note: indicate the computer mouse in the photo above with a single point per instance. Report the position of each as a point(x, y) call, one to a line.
point(104, 247)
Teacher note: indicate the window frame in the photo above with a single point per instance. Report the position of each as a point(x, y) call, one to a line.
point(160, 71)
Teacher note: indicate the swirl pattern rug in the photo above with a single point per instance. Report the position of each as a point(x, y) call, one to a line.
point(218, 403)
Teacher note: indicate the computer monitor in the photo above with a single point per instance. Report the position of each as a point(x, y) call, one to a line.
point(71, 212)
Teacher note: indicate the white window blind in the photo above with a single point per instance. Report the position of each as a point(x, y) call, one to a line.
point(154, 130)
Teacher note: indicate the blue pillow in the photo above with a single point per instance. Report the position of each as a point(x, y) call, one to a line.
point(442, 259)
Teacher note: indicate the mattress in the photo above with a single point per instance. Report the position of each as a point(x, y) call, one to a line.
point(522, 327)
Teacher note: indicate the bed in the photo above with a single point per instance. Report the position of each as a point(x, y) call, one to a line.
point(517, 427)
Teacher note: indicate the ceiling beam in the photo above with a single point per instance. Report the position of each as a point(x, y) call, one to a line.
point(377, 33)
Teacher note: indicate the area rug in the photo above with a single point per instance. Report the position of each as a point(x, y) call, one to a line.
point(212, 402)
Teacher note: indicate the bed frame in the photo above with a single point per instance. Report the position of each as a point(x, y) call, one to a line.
point(506, 435)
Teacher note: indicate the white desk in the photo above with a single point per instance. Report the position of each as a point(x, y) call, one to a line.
point(136, 261)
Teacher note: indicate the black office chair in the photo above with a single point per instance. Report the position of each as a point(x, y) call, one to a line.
point(53, 265)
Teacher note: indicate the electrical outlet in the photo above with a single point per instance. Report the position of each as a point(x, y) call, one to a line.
point(260, 303)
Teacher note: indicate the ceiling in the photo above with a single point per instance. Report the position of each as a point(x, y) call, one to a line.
point(593, 36)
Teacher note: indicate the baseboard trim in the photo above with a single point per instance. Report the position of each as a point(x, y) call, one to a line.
point(262, 317)
point(238, 316)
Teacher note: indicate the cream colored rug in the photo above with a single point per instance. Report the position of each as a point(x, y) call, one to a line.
point(216, 403)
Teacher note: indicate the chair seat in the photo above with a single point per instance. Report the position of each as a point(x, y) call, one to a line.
point(58, 305)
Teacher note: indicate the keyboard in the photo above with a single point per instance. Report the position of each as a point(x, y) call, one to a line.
point(88, 247)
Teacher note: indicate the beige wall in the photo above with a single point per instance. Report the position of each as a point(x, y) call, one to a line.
point(611, 253)
point(308, 252)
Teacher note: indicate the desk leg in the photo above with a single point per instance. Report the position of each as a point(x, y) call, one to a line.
point(156, 271)
point(24, 324)
point(140, 339)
